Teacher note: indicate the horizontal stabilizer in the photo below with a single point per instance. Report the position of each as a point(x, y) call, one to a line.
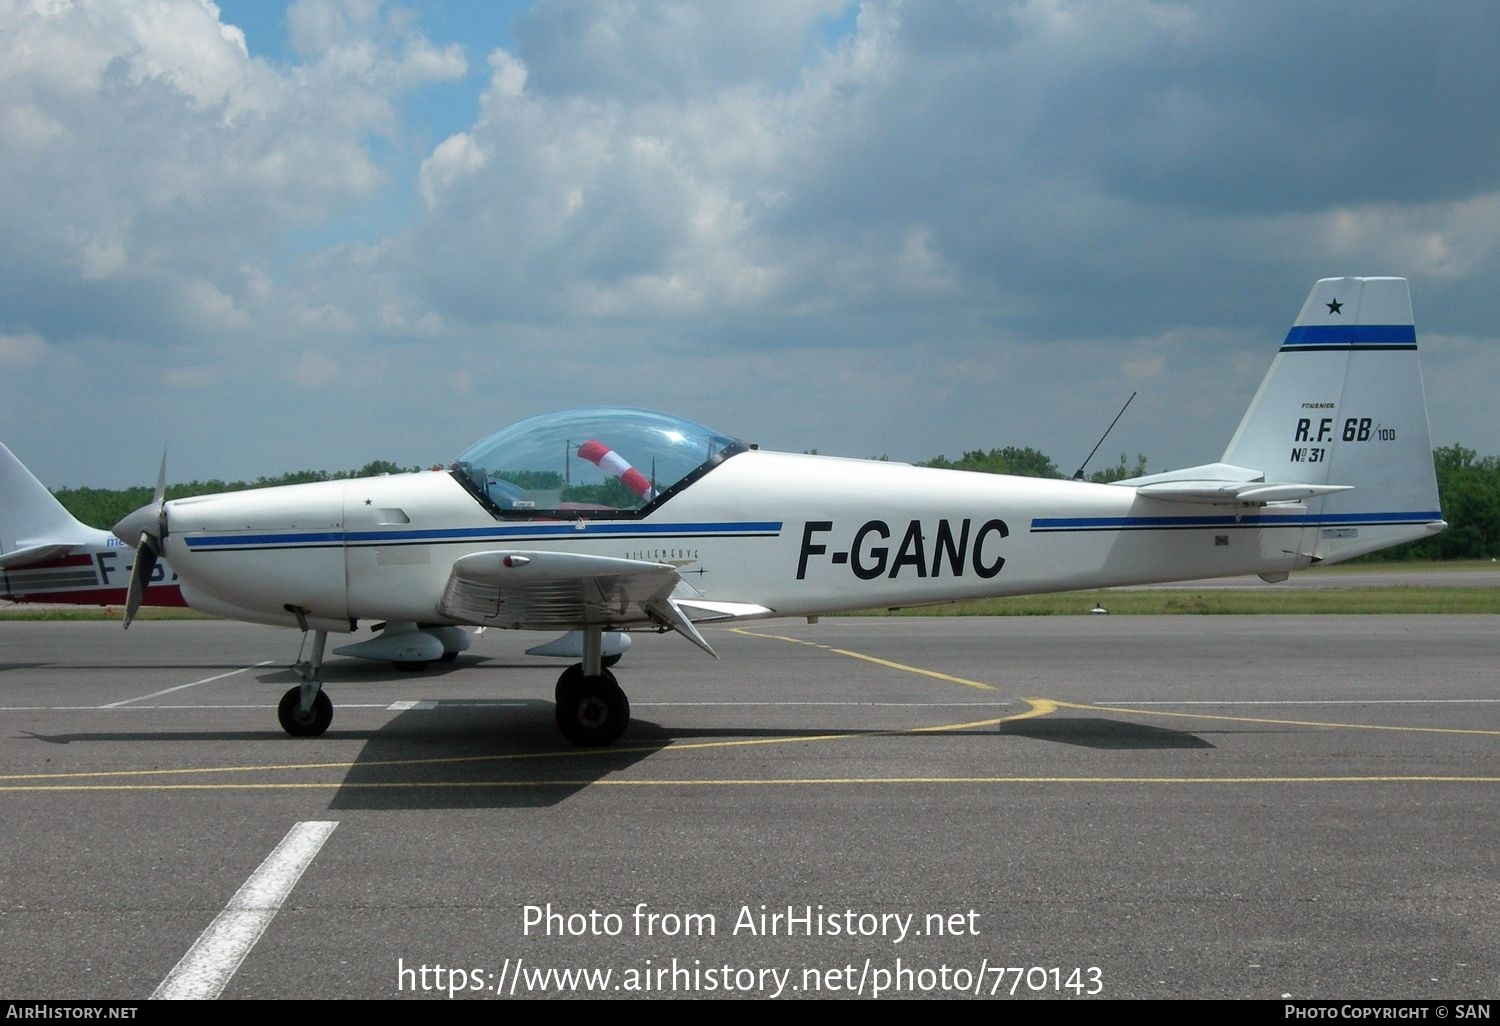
point(1232, 493)
point(33, 554)
point(1224, 484)
point(1207, 472)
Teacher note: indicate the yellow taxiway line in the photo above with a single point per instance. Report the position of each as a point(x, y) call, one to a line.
point(1035, 707)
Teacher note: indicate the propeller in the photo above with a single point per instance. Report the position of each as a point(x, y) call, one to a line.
point(146, 529)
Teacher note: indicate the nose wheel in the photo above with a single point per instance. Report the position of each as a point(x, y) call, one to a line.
point(592, 712)
point(298, 723)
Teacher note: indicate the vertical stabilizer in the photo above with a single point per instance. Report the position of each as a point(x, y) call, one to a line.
point(31, 518)
point(1343, 405)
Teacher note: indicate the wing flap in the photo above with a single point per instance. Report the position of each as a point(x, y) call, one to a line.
point(700, 610)
point(667, 613)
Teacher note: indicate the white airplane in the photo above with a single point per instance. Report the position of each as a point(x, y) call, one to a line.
point(46, 555)
point(620, 520)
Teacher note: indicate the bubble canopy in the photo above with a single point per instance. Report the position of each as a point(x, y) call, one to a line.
point(599, 462)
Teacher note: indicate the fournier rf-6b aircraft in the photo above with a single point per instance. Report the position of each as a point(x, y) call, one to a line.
point(605, 520)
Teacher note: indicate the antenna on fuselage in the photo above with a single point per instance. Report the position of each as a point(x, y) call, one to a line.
point(1078, 474)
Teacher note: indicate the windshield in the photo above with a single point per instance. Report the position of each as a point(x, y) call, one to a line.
point(592, 462)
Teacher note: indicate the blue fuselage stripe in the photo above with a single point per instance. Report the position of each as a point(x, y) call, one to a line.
point(518, 532)
point(1041, 524)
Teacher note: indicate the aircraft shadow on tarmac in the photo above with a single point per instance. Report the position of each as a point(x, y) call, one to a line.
point(1096, 732)
point(495, 751)
point(504, 752)
point(507, 754)
point(462, 754)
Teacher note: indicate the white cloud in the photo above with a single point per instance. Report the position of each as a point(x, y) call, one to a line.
point(190, 379)
point(960, 178)
point(151, 169)
point(816, 223)
point(328, 319)
point(210, 308)
point(632, 50)
point(508, 78)
point(23, 350)
point(315, 371)
point(366, 40)
point(1441, 240)
point(27, 127)
point(919, 268)
point(454, 157)
point(100, 259)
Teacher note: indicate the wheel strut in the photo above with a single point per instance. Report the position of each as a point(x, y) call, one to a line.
point(305, 710)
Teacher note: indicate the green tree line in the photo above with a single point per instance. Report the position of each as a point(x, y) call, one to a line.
point(1029, 462)
point(1468, 488)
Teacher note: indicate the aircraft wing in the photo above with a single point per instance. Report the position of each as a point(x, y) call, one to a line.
point(532, 590)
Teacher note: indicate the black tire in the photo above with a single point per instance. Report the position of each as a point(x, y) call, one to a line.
point(572, 676)
point(592, 712)
point(448, 657)
point(310, 725)
point(611, 660)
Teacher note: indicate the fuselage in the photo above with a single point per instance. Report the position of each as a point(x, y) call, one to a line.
point(796, 534)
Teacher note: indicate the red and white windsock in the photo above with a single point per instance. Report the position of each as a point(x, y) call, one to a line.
point(611, 462)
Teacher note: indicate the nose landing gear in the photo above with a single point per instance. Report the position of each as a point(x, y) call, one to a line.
point(306, 710)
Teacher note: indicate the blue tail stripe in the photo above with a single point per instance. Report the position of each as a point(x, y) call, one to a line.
point(1352, 334)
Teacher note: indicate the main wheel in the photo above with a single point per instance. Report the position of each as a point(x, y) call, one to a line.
point(592, 712)
point(299, 724)
point(572, 676)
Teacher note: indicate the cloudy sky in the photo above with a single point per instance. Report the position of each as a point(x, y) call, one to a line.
point(314, 234)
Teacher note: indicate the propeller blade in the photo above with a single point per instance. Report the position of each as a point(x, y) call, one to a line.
point(161, 481)
point(148, 548)
point(159, 500)
point(140, 575)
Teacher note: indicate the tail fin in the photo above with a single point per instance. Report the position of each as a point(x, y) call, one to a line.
point(1343, 405)
point(33, 524)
